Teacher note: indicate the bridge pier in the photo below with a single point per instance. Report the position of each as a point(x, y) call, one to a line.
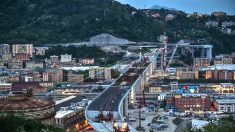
point(124, 107)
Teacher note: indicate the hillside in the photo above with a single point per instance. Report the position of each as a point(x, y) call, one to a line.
point(60, 21)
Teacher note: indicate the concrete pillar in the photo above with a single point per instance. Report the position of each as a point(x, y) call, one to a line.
point(142, 83)
point(210, 53)
point(122, 112)
point(202, 53)
point(192, 52)
point(125, 106)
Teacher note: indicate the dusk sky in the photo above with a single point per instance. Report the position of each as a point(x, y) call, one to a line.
point(189, 6)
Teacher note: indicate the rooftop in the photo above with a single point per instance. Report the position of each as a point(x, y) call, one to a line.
point(221, 101)
point(67, 102)
point(63, 112)
point(20, 102)
point(220, 67)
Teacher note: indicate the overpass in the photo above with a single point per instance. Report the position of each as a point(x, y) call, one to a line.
point(110, 108)
point(205, 50)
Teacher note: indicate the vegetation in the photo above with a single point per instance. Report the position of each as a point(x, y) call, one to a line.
point(222, 125)
point(19, 124)
point(114, 73)
point(59, 21)
point(101, 57)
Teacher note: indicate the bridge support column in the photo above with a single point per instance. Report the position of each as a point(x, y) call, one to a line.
point(125, 107)
point(142, 83)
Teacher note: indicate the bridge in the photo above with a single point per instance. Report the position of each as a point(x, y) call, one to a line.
point(110, 108)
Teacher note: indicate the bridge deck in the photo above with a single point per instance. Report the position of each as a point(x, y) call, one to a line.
point(111, 97)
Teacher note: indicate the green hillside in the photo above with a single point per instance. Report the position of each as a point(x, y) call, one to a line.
point(61, 21)
point(65, 21)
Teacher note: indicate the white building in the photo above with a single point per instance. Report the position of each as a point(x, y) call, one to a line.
point(227, 24)
point(40, 50)
point(225, 105)
point(34, 64)
point(211, 24)
point(100, 73)
point(65, 58)
point(22, 48)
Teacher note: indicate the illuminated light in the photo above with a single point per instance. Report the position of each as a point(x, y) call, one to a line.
point(115, 125)
point(124, 125)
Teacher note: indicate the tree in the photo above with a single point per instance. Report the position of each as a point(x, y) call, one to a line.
point(11, 123)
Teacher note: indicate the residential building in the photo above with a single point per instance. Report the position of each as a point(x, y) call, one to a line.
point(174, 86)
point(5, 86)
point(100, 73)
point(40, 50)
point(211, 24)
point(22, 48)
point(13, 79)
point(5, 57)
point(87, 61)
point(4, 77)
point(15, 65)
point(223, 59)
point(227, 24)
point(158, 89)
point(75, 78)
point(201, 62)
point(45, 76)
point(186, 73)
point(22, 56)
point(55, 75)
point(219, 71)
point(65, 58)
point(220, 13)
point(34, 64)
point(4, 49)
point(24, 86)
point(54, 58)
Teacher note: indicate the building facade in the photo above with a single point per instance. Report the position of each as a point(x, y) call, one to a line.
point(192, 102)
point(22, 48)
point(225, 105)
point(4, 49)
point(5, 87)
point(87, 61)
point(100, 73)
point(65, 58)
point(201, 62)
point(75, 78)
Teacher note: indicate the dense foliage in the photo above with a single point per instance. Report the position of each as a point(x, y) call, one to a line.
point(60, 21)
point(19, 124)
